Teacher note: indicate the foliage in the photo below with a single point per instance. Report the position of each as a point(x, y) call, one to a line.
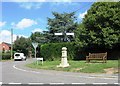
point(38, 37)
point(52, 51)
point(61, 23)
point(22, 45)
point(102, 24)
point(6, 56)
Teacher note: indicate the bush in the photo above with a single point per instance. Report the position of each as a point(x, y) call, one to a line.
point(6, 56)
point(52, 51)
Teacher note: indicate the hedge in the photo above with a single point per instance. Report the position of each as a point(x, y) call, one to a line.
point(52, 51)
point(6, 56)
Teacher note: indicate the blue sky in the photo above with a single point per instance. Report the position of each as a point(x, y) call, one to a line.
point(28, 17)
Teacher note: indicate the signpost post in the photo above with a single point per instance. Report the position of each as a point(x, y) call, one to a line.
point(35, 46)
point(64, 62)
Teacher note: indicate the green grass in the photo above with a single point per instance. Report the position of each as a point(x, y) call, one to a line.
point(76, 66)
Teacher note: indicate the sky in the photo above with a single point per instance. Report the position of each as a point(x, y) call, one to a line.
point(28, 17)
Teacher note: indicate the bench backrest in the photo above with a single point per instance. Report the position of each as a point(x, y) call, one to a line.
point(97, 55)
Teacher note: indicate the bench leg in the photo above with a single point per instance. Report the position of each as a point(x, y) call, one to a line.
point(105, 60)
point(87, 60)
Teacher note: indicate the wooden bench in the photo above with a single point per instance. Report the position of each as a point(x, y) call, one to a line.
point(97, 56)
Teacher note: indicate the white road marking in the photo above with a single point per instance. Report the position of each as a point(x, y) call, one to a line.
point(56, 83)
point(0, 83)
point(78, 83)
point(115, 83)
point(92, 77)
point(110, 78)
point(100, 83)
point(36, 83)
point(14, 83)
point(24, 70)
point(60, 74)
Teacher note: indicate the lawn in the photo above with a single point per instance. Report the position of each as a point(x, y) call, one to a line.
point(77, 66)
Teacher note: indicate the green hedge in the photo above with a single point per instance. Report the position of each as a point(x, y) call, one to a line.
point(6, 56)
point(52, 51)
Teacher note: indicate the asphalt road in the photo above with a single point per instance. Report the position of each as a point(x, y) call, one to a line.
point(14, 72)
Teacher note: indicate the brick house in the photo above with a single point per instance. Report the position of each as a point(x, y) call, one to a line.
point(5, 47)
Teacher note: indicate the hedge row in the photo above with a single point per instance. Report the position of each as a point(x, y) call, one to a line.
point(52, 51)
point(6, 56)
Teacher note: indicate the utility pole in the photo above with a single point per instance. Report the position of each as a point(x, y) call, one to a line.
point(11, 43)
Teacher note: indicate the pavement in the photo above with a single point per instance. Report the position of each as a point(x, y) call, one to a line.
point(15, 72)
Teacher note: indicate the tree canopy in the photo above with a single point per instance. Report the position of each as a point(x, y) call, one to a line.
point(22, 45)
point(101, 25)
point(61, 23)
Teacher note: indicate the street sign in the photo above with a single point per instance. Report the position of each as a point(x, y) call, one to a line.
point(70, 34)
point(35, 45)
point(66, 34)
point(58, 34)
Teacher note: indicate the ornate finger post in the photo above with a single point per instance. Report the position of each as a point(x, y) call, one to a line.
point(64, 62)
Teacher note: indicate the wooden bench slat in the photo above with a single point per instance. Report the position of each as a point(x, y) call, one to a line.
point(95, 56)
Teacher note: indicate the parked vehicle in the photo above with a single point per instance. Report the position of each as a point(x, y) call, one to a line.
point(19, 56)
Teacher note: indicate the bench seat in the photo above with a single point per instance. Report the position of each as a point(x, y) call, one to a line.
point(97, 56)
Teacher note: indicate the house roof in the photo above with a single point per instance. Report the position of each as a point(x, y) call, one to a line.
point(7, 44)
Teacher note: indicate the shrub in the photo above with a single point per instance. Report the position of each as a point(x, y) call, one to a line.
point(6, 56)
point(52, 51)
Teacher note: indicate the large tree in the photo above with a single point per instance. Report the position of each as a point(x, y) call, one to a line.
point(102, 24)
point(22, 45)
point(64, 22)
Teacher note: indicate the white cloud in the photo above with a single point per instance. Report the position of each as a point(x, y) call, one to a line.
point(23, 36)
point(82, 15)
point(25, 23)
point(2, 24)
point(30, 5)
point(13, 23)
point(5, 36)
point(37, 30)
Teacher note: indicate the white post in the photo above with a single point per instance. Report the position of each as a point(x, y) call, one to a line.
point(35, 52)
point(64, 62)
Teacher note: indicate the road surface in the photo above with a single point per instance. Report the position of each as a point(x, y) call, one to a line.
point(14, 72)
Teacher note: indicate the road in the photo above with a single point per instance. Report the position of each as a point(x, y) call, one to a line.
point(14, 72)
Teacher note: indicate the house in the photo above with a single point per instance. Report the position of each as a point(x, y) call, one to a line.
point(5, 47)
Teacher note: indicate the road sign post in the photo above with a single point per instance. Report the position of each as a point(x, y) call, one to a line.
point(35, 46)
point(64, 62)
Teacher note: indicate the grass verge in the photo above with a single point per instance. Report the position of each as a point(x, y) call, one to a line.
point(77, 66)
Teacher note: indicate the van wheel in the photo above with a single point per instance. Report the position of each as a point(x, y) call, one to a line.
point(22, 59)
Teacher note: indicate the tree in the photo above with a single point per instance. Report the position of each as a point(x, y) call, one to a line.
point(37, 37)
point(61, 23)
point(22, 45)
point(102, 24)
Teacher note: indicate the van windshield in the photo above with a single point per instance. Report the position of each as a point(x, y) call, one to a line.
point(17, 54)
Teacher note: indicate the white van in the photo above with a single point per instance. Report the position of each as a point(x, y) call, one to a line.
point(19, 56)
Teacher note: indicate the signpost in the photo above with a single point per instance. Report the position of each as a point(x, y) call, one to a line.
point(64, 62)
point(65, 34)
point(35, 46)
